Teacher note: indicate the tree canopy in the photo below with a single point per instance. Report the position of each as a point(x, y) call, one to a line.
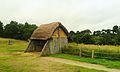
point(100, 37)
point(17, 30)
point(1, 28)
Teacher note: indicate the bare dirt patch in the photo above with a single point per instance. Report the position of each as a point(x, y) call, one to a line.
point(82, 64)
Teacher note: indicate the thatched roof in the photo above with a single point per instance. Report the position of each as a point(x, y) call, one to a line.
point(45, 31)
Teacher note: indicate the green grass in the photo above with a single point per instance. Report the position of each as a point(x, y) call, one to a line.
point(18, 45)
point(105, 62)
point(13, 59)
point(8, 67)
point(100, 51)
point(7, 57)
point(7, 64)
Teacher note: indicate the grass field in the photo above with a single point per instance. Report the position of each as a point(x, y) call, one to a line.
point(13, 59)
point(105, 62)
point(100, 51)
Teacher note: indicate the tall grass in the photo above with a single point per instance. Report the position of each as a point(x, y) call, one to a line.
point(100, 51)
point(12, 59)
point(17, 46)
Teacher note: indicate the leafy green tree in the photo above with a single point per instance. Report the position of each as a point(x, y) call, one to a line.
point(1, 28)
point(19, 31)
point(86, 38)
point(115, 28)
point(11, 30)
point(108, 31)
point(99, 40)
point(117, 37)
point(103, 37)
point(28, 30)
point(97, 33)
point(71, 35)
point(87, 31)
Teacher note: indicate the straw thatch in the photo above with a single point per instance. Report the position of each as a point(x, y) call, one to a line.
point(45, 31)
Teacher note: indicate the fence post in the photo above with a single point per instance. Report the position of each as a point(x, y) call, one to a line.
point(80, 53)
point(92, 53)
point(118, 50)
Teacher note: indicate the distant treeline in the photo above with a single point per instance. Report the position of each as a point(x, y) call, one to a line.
point(23, 32)
point(103, 37)
point(17, 30)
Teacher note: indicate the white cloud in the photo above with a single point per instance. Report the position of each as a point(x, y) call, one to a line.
point(74, 14)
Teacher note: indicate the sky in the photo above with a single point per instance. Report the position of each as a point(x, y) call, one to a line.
point(73, 14)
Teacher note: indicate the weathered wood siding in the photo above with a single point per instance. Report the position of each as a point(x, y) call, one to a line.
point(58, 42)
point(64, 42)
point(54, 46)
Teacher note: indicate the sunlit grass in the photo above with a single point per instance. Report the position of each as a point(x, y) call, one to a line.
point(18, 45)
point(100, 51)
point(90, 46)
point(13, 59)
point(107, 63)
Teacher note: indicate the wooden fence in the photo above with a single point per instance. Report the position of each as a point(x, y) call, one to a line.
point(93, 53)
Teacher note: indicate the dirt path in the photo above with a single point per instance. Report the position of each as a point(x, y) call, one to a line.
point(82, 64)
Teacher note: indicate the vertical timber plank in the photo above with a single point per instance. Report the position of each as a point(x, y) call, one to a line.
point(92, 53)
point(80, 53)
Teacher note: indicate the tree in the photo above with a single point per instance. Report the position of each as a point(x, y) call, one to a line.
point(28, 30)
point(77, 32)
point(108, 31)
point(117, 36)
point(87, 31)
point(115, 28)
point(20, 31)
point(97, 33)
point(71, 35)
point(1, 28)
point(99, 40)
point(86, 38)
point(11, 30)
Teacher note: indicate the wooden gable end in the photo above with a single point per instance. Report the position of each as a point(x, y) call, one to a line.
point(59, 32)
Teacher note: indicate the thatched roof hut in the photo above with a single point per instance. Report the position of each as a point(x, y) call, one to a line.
point(48, 39)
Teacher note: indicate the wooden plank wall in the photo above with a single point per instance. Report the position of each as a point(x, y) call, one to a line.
point(54, 45)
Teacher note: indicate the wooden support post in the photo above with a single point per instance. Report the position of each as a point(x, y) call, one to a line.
point(80, 53)
point(30, 47)
point(42, 52)
point(92, 53)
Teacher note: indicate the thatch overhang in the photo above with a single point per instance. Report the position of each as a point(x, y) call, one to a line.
point(45, 31)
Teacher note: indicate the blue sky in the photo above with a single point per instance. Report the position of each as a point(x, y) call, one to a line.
point(73, 14)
